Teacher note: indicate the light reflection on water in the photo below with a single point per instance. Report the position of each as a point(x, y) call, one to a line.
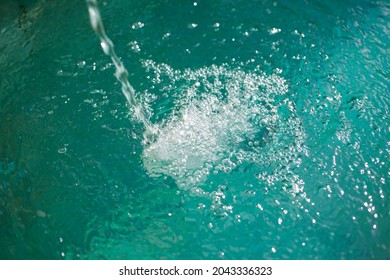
point(75, 177)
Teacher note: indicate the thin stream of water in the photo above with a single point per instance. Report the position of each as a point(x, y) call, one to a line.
point(121, 72)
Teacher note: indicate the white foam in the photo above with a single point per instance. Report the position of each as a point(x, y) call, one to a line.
point(223, 117)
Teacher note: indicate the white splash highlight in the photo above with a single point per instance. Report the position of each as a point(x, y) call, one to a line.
point(222, 118)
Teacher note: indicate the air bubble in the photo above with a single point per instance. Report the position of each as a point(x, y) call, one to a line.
point(224, 117)
point(137, 25)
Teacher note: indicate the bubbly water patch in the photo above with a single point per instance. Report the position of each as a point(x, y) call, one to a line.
point(223, 118)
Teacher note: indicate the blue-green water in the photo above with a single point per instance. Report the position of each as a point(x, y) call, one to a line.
point(272, 121)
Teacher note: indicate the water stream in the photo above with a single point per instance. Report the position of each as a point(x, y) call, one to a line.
point(121, 72)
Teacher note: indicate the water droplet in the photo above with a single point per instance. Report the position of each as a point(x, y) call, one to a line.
point(81, 64)
point(134, 46)
point(192, 25)
point(137, 25)
point(274, 30)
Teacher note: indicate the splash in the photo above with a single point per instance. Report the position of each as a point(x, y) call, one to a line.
point(221, 119)
point(224, 118)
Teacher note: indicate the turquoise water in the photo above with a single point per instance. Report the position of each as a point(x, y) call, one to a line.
point(271, 120)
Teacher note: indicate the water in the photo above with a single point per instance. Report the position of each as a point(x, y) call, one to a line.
point(121, 72)
point(227, 121)
point(270, 119)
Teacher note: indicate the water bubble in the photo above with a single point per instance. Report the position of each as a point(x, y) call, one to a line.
point(274, 30)
point(137, 25)
point(224, 117)
point(134, 46)
point(166, 35)
point(192, 25)
point(81, 64)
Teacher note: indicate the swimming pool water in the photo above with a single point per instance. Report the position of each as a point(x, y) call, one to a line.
point(272, 122)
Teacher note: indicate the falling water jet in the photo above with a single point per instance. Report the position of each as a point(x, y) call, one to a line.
point(121, 72)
